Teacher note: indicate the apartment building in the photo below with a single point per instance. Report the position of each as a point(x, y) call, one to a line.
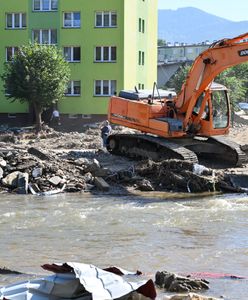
point(180, 52)
point(109, 44)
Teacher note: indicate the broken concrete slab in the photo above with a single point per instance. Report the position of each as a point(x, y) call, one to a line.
point(55, 180)
point(101, 184)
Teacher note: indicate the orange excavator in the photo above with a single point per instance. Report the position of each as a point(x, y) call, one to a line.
point(191, 125)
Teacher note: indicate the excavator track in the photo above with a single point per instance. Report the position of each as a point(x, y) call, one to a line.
point(212, 151)
point(147, 146)
point(233, 152)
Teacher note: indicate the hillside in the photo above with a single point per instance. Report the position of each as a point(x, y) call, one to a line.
point(192, 25)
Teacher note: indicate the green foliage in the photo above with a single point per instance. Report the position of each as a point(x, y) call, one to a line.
point(236, 80)
point(38, 75)
point(161, 42)
point(179, 78)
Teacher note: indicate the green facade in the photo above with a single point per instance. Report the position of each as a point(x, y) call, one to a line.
point(133, 39)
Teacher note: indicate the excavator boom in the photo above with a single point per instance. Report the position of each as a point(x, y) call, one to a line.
point(192, 122)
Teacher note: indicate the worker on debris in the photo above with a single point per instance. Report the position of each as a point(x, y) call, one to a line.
point(55, 117)
point(106, 129)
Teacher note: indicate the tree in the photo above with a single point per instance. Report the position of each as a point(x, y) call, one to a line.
point(234, 78)
point(178, 78)
point(38, 75)
point(161, 42)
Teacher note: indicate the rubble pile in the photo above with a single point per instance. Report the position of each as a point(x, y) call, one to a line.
point(75, 162)
point(178, 175)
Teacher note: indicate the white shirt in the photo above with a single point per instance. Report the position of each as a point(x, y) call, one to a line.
point(55, 113)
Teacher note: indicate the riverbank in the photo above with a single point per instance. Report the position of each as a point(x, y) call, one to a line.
point(76, 162)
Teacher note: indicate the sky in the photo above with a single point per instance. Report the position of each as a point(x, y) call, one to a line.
point(233, 10)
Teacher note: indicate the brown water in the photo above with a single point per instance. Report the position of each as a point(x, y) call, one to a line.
point(207, 234)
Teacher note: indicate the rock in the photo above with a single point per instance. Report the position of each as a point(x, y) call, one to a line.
point(145, 185)
point(100, 172)
point(37, 172)
point(1, 173)
point(190, 296)
point(55, 180)
point(101, 184)
point(36, 152)
point(82, 162)
point(22, 183)
point(11, 179)
point(174, 283)
point(3, 163)
point(88, 178)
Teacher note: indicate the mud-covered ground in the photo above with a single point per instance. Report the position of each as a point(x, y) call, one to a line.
point(76, 162)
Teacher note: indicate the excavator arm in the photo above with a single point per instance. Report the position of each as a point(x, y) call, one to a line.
point(220, 56)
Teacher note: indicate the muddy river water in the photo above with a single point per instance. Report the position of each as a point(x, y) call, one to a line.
point(202, 234)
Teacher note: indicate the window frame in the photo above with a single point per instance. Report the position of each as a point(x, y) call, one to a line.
point(110, 87)
point(14, 49)
point(13, 15)
point(141, 58)
point(111, 14)
point(72, 60)
point(72, 19)
point(102, 54)
point(72, 86)
point(41, 37)
point(41, 6)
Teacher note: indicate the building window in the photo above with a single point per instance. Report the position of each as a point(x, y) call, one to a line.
point(73, 88)
point(16, 20)
point(45, 36)
point(141, 58)
point(72, 20)
point(106, 19)
point(10, 53)
point(105, 54)
point(105, 87)
point(141, 25)
point(45, 5)
point(72, 54)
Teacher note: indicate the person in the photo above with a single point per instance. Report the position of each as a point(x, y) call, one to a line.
point(105, 132)
point(55, 117)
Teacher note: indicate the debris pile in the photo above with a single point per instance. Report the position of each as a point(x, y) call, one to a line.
point(75, 162)
point(178, 175)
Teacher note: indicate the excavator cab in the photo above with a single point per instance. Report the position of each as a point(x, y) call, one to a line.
point(220, 108)
point(211, 114)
